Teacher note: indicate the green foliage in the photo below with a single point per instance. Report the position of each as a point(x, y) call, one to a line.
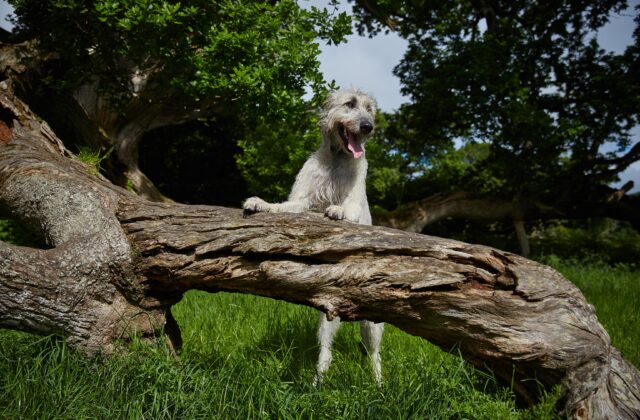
point(395, 178)
point(606, 240)
point(129, 186)
point(260, 54)
point(534, 90)
point(274, 152)
point(467, 164)
point(387, 174)
point(93, 158)
point(244, 64)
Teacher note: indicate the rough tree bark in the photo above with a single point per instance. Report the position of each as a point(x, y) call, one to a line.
point(117, 263)
point(144, 111)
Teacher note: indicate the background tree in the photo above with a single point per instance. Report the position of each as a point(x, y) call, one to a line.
point(123, 68)
point(544, 113)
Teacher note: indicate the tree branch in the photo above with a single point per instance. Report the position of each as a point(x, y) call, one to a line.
point(622, 162)
point(518, 318)
point(415, 216)
point(377, 13)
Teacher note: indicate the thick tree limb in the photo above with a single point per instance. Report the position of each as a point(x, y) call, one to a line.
point(144, 112)
point(621, 163)
point(118, 262)
point(415, 216)
point(73, 288)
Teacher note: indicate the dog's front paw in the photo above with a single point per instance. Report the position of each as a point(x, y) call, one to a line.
point(255, 205)
point(334, 212)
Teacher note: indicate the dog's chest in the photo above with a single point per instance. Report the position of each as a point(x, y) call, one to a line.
point(335, 183)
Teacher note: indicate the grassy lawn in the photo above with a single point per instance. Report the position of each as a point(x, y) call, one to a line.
point(250, 357)
point(615, 293)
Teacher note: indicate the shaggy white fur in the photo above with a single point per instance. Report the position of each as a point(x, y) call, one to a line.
point(333, 180)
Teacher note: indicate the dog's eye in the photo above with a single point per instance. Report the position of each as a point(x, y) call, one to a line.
point(351, 104)
point(369, 109)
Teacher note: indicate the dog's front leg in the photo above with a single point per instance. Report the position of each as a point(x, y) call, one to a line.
point(334, 212)
point(349, 210)
point(257, 204)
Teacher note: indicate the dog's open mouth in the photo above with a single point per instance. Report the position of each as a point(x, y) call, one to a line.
point(351, 142)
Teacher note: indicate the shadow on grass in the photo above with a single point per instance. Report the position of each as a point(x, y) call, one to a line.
point(293, 340)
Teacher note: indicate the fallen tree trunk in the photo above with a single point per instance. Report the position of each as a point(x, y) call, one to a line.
point(117, 263)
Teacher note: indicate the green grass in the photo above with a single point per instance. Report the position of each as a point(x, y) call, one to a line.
point(93, 158)
point(251, 357)
point(614, 290)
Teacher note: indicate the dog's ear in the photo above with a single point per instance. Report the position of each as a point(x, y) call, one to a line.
point(331, 100)
point(329, 104)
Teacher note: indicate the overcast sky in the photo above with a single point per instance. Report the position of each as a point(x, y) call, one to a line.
point(367, 63)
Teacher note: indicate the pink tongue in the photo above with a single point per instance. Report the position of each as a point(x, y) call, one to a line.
point(355, 146)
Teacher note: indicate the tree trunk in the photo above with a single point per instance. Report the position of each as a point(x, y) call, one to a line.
point(125, 131)
point(523, 238)
point(118, 262)
point(90, 113)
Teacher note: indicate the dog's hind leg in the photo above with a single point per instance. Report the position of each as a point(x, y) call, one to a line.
point(371, 333)
point(326, 331)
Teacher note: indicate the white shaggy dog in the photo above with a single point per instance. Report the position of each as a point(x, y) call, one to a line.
point(333, 180)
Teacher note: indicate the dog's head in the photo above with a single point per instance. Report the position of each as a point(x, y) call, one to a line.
point(348, 120)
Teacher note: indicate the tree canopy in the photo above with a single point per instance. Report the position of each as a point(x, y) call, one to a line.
point(543, 110)
point(136, 65)
point(256, 55)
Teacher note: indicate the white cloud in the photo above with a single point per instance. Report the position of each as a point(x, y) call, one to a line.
point(5, 10)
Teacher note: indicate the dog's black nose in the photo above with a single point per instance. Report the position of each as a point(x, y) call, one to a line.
point(366, 127)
